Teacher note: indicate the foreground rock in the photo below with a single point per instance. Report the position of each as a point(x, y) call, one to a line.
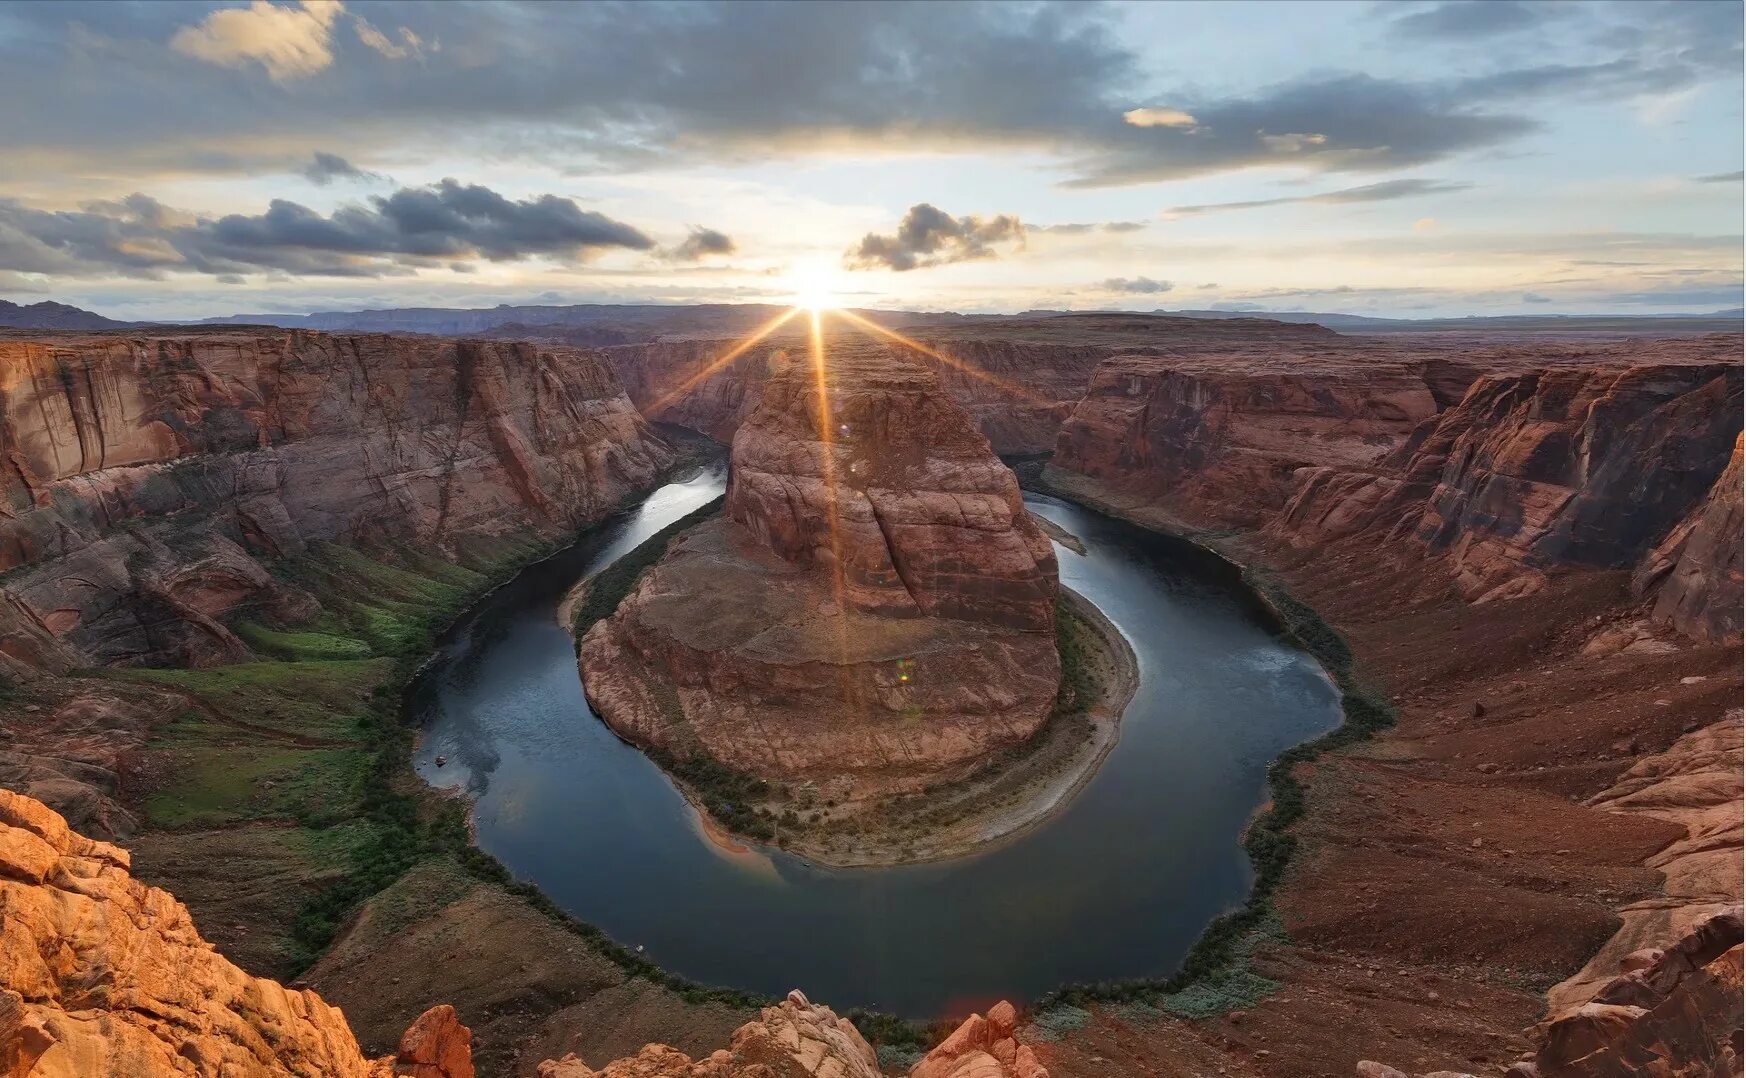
point(799, 1039)
point(145, 479)
point(875, 611)
point(102, 975)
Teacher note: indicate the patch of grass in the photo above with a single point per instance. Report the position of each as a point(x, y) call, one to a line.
point(301, 646)
point(1059, 1020)
point(307, 702)
point(607, 588)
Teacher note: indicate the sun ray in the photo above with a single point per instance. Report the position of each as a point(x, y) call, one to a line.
point(828, 440)
point(957, 364)
point(718, 363)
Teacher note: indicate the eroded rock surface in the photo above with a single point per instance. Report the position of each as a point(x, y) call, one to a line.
point(144, 478)
point(1018, 378)
point(800, 1039)
point(102, 975)
point(875, 603)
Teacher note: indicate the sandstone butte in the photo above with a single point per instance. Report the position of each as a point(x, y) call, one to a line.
point(874, 606)
point(101, 975)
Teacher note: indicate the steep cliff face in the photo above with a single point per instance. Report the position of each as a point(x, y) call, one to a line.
point(1577, 467)
point(1019, 401)
point(876, 607)
point(143, 479)
point(1591, 466)
point(1217, 439)
point(1695, 572)
point(1018, 378)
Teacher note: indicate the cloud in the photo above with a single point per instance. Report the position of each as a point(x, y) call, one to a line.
point(1159, 117)
point(1135, 285)
point(931, 237)
point(290, 42)
point(1470, 19)
point(616, 86)
point(1535, 297)
point(1721, 177)
point(1386, 191)
point(324, 168)
point(411, 228)
point(1081, 228)
point(410, 44)
point(700, 244)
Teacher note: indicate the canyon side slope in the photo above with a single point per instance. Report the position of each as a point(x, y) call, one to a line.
point(873, 612)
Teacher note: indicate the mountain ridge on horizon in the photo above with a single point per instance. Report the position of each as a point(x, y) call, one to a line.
point(453, 321)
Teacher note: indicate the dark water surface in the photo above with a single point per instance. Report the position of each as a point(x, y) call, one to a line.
point(1118, 885)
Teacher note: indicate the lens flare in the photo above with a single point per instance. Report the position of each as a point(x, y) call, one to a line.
point(721, 361)
point(956, 364)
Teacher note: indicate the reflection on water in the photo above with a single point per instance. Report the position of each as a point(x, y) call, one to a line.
point(1119, 885)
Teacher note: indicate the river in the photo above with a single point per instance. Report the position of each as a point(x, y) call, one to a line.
point(1119, 884)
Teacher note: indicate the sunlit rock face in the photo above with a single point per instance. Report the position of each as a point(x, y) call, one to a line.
point(146, 479)
point(884, 475)
point(873, 604)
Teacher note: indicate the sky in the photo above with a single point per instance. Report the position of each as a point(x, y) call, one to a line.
point(1408, 159)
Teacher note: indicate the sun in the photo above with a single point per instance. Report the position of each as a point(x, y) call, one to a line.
point(813, 285)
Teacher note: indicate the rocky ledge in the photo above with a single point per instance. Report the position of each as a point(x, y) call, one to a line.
point(874, 612)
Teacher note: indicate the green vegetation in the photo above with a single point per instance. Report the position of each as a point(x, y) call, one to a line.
point(607, 588)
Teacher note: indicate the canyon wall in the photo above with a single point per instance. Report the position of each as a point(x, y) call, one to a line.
point(1019, 378)
point(875, 607)
point(1499, 464)
point(144, 480)
point(1605, 467)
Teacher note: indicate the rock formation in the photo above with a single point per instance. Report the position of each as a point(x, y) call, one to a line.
point(1667, 1012)
point(875, 603)
point(144, 479)
point(1695, 572)
point(1018, 378)
point(1603, 466)
point(102, 975)
point(1217, 439)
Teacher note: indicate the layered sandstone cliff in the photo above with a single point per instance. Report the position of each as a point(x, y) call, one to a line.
point(1216, 439)
point(1569, 466)
point(144, 480)
point(1695, 572)
point(875, 606)
point(1018, 378)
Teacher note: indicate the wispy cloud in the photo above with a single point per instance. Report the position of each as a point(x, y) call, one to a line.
point(1386, 191)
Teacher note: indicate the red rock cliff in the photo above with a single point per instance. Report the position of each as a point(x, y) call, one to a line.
point(143, 478)
point(930, 649)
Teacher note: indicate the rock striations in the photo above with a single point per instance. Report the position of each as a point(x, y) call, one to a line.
point(875, 604)
point(145, 479)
